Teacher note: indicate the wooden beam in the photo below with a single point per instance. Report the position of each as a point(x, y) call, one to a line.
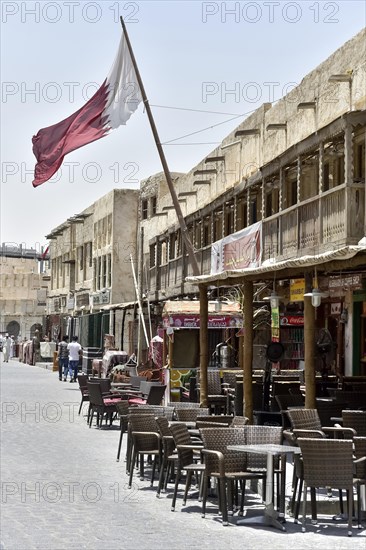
point(248, 351)
point(203, 344)
point(309, 345)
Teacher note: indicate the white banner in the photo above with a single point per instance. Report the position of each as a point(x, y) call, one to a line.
point(239, 250)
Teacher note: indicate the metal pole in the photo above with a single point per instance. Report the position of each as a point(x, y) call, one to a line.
point(164, 163)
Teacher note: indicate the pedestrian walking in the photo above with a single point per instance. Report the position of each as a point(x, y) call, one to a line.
point(74, 355)
point(63, 358)
point(7, 348)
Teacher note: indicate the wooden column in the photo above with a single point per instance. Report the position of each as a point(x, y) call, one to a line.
point(248, 351)
point(203, 344)
point(309, 345)
point(320, 189)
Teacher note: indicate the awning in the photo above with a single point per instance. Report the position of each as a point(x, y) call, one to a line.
point(269, 266)
point(123, 305)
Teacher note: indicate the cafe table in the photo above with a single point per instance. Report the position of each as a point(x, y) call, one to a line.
point(270, 516)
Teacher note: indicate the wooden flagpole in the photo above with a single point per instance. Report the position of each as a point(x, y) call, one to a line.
point(164, 163)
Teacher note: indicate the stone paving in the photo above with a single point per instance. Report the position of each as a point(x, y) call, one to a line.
point(63, 489)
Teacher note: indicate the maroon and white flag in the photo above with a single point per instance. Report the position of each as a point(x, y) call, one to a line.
point(112, 105)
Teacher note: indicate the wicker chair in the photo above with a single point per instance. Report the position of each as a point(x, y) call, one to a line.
point(154, 410)
point(216, 399)
point(220, 419)
point(360, 471)
point(146, 441)
point(288, 400)
point(122, 410)
point(257, 435)
point(306, 423)
point(190, 415)
point(169, 457)
point(186, 454)
point(355, 420)
point(226, 466)
point(327, 409)
point(154, 395)
point(328, 463)
point(239, 421)
point(82, 380)
point(101, 404)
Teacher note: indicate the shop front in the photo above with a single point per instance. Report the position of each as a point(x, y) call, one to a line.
point(181, 323)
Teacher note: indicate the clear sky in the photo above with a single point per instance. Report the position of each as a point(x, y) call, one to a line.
point(223, 58)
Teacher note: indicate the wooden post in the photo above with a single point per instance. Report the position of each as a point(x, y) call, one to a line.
point(309, 345)
point(248, 351)
point(203, 344)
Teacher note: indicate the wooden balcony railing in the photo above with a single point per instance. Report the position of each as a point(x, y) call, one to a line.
point(335, 218)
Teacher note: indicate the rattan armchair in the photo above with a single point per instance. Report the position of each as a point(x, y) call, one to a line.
point(187, 459)
point(226, 466)
point(122, 410)
point(355, 420)
point(360, 471)
point(169, 456)
point(328, 463)
point(146, 441)
point(100, 404)
point(190, 415)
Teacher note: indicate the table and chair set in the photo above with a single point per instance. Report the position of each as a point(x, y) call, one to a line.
point(220, 453)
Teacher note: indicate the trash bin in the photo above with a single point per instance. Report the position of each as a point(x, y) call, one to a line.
point(88, 355)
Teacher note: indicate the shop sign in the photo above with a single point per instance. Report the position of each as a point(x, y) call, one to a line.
point(297, 290)
point(275, 324)
point(193, 321)
point(101, 298)
point(82, 300)
point(292, 320)
point(338, 285)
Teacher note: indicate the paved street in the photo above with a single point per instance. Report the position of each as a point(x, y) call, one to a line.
point(63, 489)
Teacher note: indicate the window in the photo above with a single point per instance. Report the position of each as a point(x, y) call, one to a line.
point(360, 162)
point(253, 211)
point(268, 205)
point(152, 255)
point(109, 270)
point(293, 192)
point(206, 232)
point(172, 246)
point(95, 271)
point(153, 206)
point(326, 177)
point(144, 209)
point(90, 253)
point(81, 257)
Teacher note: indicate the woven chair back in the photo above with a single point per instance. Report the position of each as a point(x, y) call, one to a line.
point(360, 451)
point(304, 419)
point(190, 415)
point(261, 435)
point(95, 393)
point(181, 437)
point(218, 440)
point(144, 423)
point(355, 420)
point(327, 462)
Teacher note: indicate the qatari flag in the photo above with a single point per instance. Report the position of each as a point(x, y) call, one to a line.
point(112, 105)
